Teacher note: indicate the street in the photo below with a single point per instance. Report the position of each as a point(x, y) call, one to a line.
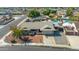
point(6, 27)
point(34, 48)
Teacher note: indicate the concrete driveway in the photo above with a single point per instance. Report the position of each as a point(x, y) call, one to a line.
point(74, 41)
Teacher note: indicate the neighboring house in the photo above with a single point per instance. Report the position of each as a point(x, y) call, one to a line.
point(77, 26)
point(6, 19)
point(69, 32)
point(76, 13)
point(45, 27)
point(61, 12)
point(40, 18)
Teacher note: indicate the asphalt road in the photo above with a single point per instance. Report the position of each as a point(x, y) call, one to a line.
point(34, 48)
point(6, 28)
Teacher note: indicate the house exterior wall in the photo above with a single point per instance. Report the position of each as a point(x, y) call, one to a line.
point(72, 33)
point(48, 32)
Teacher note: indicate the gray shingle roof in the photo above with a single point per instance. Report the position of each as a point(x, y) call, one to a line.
point(36, 25)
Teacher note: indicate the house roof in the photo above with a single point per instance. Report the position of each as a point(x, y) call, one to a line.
point(76, 13)
point(41, 17)
point(37, 25)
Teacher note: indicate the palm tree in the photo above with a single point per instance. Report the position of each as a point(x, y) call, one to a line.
point(17, 32)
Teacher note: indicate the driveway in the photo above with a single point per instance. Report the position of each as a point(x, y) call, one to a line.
point(74, 41)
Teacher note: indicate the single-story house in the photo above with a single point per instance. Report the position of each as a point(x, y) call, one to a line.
point(61, 12)
point(76, 13)
point(69, 32)
point(77, 26)
point(43, 27)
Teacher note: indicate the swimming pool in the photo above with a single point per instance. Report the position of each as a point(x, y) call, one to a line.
point(57, 22)
point(67, 21)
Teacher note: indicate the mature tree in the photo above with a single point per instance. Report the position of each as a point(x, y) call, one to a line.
point(74, 18)
point(54, 11)
point(34, 13)
point(46, 12)
point(69, 12)
point(49, 11)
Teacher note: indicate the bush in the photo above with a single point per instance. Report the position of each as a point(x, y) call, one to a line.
point(13, 41)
